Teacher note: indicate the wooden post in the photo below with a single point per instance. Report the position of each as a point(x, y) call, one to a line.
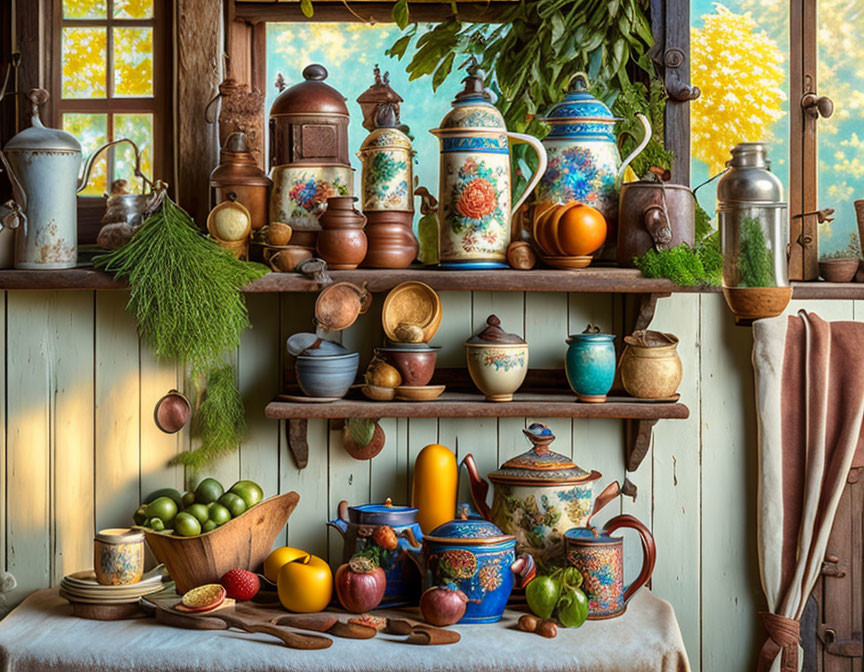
point(199, 71)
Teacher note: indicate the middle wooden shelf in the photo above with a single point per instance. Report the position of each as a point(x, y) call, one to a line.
point(473, 405)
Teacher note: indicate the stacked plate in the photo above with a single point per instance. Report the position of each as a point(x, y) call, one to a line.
point(82, 587)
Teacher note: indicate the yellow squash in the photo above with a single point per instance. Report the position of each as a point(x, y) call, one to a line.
point(434, 489)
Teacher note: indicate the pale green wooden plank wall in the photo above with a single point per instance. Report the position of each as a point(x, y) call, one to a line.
point(80, 448)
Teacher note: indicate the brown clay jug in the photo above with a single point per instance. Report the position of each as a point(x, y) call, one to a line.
point(342, 241)
point(391, 241)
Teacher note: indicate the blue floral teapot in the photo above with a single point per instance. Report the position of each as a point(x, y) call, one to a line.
point(475, 181)
point(584, 164)
point(476, 557)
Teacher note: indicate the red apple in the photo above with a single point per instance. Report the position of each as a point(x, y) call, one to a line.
point(360, 585)
point(443, 605)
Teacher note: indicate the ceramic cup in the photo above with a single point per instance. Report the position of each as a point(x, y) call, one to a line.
point(118, 556)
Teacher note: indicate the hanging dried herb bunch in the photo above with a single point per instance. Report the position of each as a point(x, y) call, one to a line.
point(185, 292)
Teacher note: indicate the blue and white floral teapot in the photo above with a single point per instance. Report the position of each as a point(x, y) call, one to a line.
point(474, 179)
point(584, 163)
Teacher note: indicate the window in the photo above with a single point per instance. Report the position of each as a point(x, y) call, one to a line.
point(772, 54)
point(113, 83)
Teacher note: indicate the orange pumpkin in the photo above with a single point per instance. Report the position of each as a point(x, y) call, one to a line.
point(570, 230)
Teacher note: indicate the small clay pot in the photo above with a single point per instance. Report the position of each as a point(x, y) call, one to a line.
point(172, 412)
point(278, 233)
point(286, 259)
point(416, 365)
point(839, 270)
point(391, 242)
point(342, 242)
point(650, 367)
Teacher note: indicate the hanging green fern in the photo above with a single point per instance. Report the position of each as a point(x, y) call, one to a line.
point(185, 292)
point(219, 422)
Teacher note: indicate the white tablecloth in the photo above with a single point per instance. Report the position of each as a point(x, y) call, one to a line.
point(41, 634)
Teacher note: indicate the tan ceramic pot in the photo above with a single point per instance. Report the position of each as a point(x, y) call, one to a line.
point(650, 366)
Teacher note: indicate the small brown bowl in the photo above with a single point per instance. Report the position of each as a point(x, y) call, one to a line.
point(839, 270)
point(419, 393)
point(378, 393)
point(416, 365)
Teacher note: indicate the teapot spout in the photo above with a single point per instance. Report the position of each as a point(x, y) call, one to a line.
point(412, 548)
point(646, 126)
point(479, 487)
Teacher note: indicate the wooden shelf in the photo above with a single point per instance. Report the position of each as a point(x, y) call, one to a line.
point(608, 280)
point(588, 280)
point(473, 405)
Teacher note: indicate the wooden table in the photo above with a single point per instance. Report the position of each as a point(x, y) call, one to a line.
point(41, 634)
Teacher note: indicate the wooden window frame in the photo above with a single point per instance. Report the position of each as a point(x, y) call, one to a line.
point(92, 208)
point(803, 148)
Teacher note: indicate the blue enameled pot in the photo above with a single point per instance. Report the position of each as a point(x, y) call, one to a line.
point(476, 557)
point(329, 376)
point(357, 526)
point(590, 365)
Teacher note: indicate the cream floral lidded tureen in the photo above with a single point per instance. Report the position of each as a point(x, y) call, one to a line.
point(538, 496)
point(475, 181)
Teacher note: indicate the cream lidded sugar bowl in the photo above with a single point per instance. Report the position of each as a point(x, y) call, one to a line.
point(497, 361)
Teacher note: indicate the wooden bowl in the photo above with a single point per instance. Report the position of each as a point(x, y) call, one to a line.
point(378, 393)
point(244, 542)
point(568, 263)
point(411, 303)
point(419, 392)
point(756, 303)
point(839, 270)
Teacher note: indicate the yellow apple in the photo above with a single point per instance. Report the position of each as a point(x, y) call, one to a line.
point(277, 558)
point(305, 584)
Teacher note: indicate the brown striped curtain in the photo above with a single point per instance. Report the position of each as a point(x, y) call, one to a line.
point(810, 405)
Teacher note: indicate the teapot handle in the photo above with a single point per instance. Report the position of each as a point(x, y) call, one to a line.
point(18, 192)
point(646, 125)
point(538, 147)
point(88, 165)
point(649, 550)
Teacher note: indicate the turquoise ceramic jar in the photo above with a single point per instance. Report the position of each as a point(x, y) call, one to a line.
point(590, 364)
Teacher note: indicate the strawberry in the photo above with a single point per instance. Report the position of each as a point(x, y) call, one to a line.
point(241, 584)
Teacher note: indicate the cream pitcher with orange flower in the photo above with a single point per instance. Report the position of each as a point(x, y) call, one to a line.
point(475, 181)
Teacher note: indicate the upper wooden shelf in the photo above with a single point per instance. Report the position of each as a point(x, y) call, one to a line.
point(588, 280)
point(473, 405)
point(611, 280)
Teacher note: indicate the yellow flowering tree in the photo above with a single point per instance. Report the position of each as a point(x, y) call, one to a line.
point(740, 71)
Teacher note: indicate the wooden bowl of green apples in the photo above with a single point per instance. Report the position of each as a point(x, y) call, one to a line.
point(201, 535)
